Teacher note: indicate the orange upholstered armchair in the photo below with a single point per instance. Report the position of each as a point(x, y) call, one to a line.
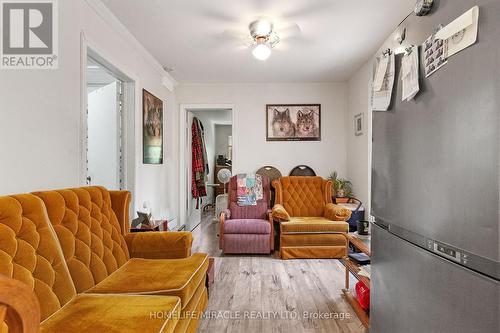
point(311, 226)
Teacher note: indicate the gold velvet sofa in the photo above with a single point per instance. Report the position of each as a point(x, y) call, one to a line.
point(74, 249)
point(310, 225)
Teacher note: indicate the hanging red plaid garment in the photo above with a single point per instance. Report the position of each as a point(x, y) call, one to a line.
point(198, 188)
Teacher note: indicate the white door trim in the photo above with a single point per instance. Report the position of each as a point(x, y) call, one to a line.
point(133, 98)
point(184, 182)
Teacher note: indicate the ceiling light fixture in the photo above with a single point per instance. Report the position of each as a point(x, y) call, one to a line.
point(264, 38)
point(261, 27)
point(261, 50)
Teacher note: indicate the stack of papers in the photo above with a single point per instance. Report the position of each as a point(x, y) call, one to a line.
point(365, 271)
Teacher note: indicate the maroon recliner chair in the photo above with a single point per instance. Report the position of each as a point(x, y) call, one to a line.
point(247, 229)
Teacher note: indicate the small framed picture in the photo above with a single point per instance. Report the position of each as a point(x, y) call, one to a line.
point(358, 124)
point(152, 130)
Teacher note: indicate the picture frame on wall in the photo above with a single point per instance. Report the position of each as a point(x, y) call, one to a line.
point(359, 124)
point(152, 128)
point(293, 122)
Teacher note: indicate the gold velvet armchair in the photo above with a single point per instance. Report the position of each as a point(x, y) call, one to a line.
point(311, 226)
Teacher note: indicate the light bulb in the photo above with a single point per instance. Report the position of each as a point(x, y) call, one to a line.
point(261, 51)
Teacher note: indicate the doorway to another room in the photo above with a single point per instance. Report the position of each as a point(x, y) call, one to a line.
point(104, 124)
point(208, 150)
point(109, 122)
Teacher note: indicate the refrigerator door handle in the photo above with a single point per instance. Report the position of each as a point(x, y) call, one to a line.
point(382, 224)
point(482, 265)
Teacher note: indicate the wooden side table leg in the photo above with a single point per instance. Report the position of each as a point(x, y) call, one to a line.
point(345, 262)
point(346, 277)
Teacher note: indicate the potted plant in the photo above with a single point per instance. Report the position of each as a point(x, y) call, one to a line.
point(341, 188)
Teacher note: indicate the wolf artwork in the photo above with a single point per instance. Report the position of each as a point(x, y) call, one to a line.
point(282, 124)
point(306, 127)
point(293, 122)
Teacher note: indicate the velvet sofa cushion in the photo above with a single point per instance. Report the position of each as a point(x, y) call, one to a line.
point(115, 314)
point(192, 311)
point(258, 211)
point(29, 252)
point(247, 226)
point(313, 225)
point(279, 213)
point(174, 277)
point(159, 245)
point(337, 213)
point(88, 231)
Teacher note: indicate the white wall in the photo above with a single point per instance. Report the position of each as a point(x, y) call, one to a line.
point(103, 139)
point(40, 112)
point(359, 147)
point(222, 133)
point(252, 151)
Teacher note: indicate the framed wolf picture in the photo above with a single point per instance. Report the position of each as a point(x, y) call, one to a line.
point(293, 122)
point(152, 128)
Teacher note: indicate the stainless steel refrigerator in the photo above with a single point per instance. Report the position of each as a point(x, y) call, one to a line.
point(435, 188)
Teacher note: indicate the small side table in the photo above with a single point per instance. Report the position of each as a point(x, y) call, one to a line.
point(154, 227)
point(362, 243)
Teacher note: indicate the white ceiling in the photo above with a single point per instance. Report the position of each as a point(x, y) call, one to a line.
point(191, 36)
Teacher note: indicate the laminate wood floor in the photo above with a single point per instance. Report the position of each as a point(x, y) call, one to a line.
point(262, 293)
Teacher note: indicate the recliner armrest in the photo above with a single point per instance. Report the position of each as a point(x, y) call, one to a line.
point(159, 245)
point(336, 213)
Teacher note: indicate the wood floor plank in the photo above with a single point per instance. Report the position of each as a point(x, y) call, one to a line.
point(270, 294)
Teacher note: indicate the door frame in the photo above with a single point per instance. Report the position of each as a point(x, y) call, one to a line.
point(132, 101)
point(185, 181)
point(119, 139)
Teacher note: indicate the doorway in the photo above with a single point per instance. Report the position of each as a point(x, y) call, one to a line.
point(108, 122)
point(217, 124)
point(105, 101)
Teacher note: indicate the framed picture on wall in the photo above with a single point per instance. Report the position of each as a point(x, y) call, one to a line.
point(358, 124)
point(293, 122)
point(152, 128)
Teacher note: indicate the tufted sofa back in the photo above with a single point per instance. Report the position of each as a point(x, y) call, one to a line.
point(88, 231)
point(30, 253)
point(303, 196)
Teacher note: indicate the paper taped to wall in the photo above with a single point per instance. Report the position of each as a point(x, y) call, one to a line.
point(381, 99)
point(409, 74)
point(460, 33)
point(434, 50)
point(381, 70)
